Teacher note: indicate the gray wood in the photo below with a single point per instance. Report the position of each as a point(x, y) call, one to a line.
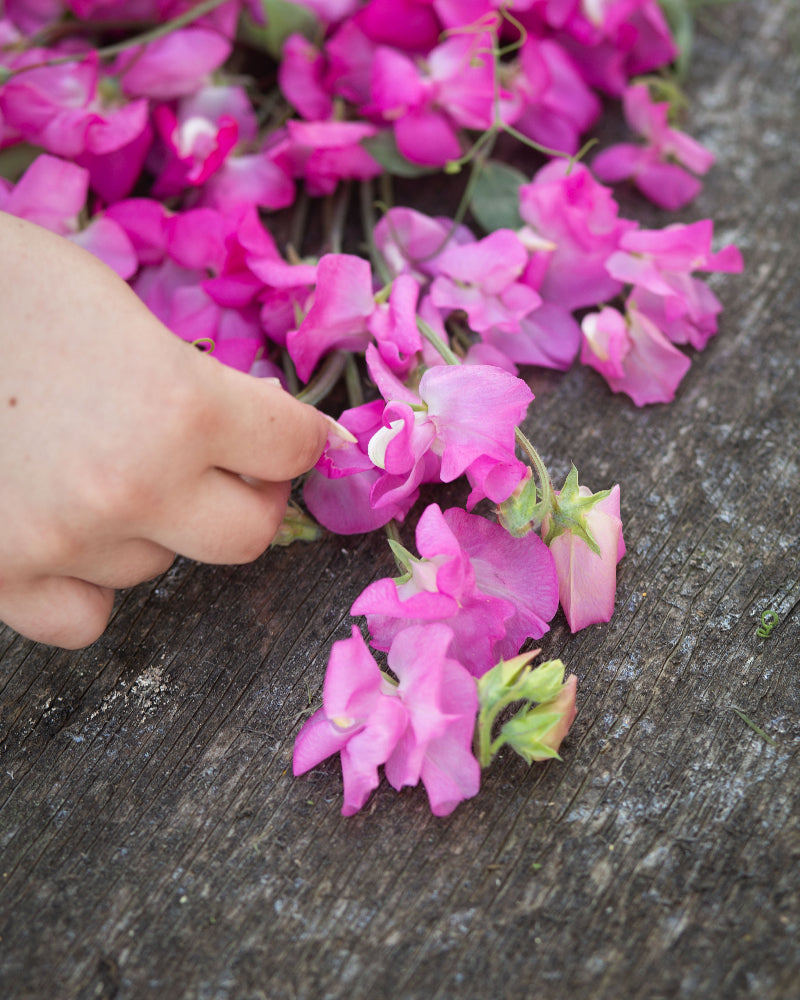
point(153, 842)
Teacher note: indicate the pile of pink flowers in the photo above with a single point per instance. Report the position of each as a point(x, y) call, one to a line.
point(147, 132)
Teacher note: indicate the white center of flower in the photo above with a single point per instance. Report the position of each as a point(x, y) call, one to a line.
point(379, 442)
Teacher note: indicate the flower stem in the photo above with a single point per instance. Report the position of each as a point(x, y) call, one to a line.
point(548, 496)
point(325, 379)
point(433, 337)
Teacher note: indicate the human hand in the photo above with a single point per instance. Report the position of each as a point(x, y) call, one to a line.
point(121, 445)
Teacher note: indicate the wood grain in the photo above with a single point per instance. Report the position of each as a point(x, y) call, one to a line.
point(153, 842)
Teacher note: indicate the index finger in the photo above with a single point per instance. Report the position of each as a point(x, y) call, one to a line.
point(258, 429)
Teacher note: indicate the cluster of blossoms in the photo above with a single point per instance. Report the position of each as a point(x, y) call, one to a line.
point(143, 131)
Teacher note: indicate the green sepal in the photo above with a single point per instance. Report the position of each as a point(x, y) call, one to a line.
point(523, 510)
point(525, 733)
point(570, 510)
point(297, 526)
point(403, 558)
point(283, 19)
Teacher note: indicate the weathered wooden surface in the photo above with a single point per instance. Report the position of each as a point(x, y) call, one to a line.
point(153, 841)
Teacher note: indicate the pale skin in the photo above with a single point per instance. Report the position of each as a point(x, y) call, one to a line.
point(121, 445)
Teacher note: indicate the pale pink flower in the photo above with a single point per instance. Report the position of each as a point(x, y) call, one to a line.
point(632, 355)
point(587, 582)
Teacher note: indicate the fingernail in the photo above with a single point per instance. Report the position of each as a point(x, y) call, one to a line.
point(337, 430)
point(273, 381)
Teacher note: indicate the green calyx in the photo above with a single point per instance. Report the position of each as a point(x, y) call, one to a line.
point(569, 512)
point(537, 688)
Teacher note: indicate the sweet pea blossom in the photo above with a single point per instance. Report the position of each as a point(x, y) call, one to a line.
point(427, 107)
point(338, 490)
point(492, 590)
point(480, 278)
point(577, 221)
point(632, 355)
point(657, 167)
point(420, 729)
point(464, 414)
point(658, 264)
point(587, 581)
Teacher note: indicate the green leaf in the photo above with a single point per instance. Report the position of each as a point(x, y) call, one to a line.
point(383, 148)
point(495, 202)
point(283, 19)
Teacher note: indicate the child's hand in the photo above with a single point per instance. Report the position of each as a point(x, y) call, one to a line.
point(120, 445)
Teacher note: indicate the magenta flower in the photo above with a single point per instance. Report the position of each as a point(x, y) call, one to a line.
point(656, 168)
point(326, 152)
point(338, 490)
point(362, 719)
point(426, 107)
point(587, 582)
point(179, 63)
point(658, 264)
point(301, 76)
point(632, 355)
point(494, 591)
point(343, 303)
point(480, 278)
point(408, 241)
point(200, 134)
point(555, 105)
point(577, 221)
point(421, 728)
point(464, 414)
point(60, 108)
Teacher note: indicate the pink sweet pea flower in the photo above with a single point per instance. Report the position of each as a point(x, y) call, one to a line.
point(587, 582)
point(177, 64)
point(324, 153)
point(362, 719)
point(408, 241)
point(612, 40)
point(464, 414)
point(343, 302)
point(200, 134)
point(658, 264)
point(420, 729)
point(480, 278)
point(338, 490)
point(60, 109)
point(442, 703)
point(578, 218)
point(494, 591)
point(632, 355)
point(427, 107)
point(654, 168)
point(555, 105)
point(301, 76)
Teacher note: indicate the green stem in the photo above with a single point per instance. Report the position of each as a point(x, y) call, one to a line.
point(548, 496)
point(433, 338)
point(339, 215)
point(352, 381)
point(325, 379)
point(368, 226)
